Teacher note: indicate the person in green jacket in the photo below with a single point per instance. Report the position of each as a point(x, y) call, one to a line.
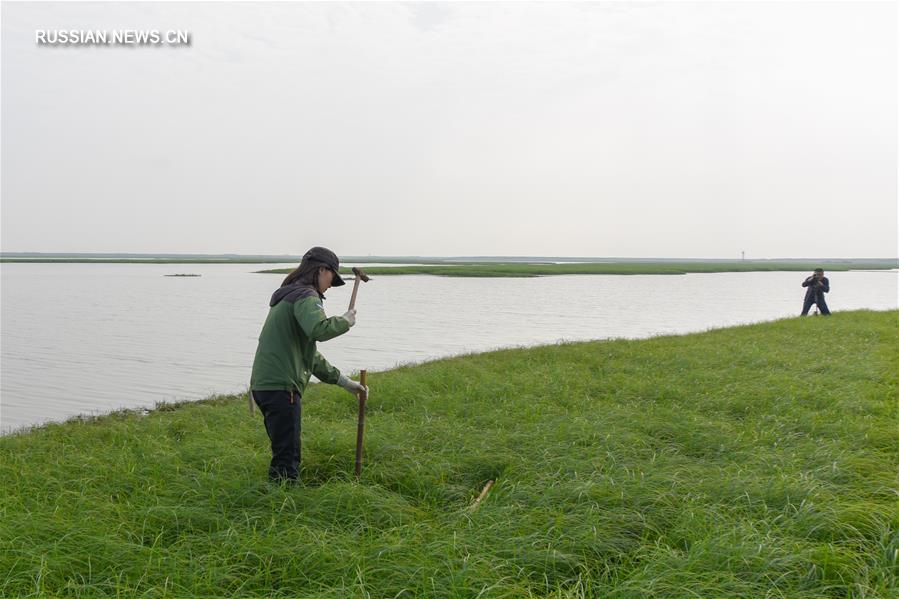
point(287, 356)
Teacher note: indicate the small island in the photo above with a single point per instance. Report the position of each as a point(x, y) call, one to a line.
point(611, 267)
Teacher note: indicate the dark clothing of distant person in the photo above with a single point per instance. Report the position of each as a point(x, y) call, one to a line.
point(816, 288)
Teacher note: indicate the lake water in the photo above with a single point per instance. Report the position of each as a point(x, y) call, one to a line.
point(91, 338)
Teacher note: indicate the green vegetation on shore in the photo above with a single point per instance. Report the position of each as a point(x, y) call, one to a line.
point(605, 268)
point(477, 266)
point(756, 461)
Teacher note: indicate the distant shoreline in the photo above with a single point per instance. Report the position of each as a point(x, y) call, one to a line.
point(491, 267)
point(603, 268)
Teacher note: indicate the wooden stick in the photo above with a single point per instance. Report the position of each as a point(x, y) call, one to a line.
point(360, 427)
point(483, 494)
point(360, 276)
point(353, 297)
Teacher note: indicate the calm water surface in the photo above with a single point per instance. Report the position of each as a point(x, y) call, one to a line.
point(91, 338)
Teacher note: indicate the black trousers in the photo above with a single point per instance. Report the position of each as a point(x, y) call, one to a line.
point(282, 414)
point(822, 305)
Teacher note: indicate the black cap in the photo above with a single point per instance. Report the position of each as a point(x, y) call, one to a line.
point(325, 257)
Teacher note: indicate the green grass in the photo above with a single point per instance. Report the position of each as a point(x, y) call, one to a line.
point(756, 461)
point(609, 268)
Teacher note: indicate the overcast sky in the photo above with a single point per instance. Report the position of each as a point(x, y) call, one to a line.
point(595, 129)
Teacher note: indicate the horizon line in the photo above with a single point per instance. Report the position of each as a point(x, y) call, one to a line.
point(373, 257)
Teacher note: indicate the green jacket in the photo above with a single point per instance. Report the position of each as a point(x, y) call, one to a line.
point(286, 355)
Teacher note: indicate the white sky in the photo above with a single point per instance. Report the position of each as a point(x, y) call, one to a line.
point(601, 129)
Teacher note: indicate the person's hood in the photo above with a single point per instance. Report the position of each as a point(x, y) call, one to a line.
point(293, 293)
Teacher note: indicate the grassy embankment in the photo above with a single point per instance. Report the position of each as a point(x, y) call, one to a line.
point(756, 461)
point(610, 268)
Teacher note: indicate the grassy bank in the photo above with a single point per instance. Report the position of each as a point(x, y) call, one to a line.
point(610, 268)
point(756, 461)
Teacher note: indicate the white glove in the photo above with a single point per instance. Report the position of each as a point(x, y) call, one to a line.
point(350, 316)
point(352, 386)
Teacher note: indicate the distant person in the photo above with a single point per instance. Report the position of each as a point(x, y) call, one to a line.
point(817, 285)
point(286, 355)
